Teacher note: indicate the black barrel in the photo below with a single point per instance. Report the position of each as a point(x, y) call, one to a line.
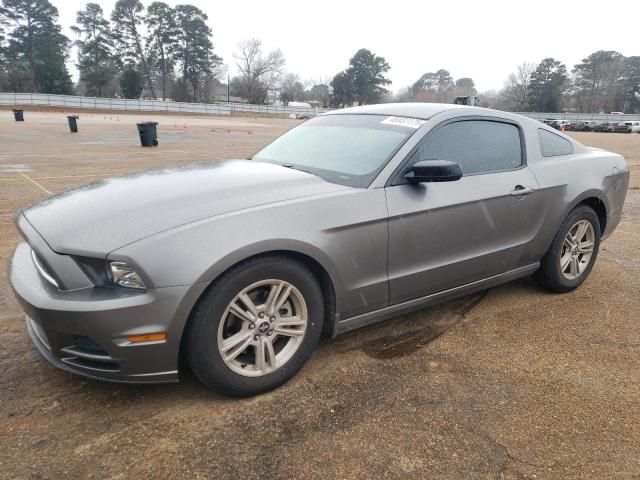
point(73, 123)
point(148, 134)
point(18, 115)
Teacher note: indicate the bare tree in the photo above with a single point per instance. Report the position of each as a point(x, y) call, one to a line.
point(516, 89)
point(259, 72)
point(291, 88)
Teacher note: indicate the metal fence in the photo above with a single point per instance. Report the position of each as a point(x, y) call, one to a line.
point(581, 117)
point(278, 109)
point(96, 103)
point(224, 108)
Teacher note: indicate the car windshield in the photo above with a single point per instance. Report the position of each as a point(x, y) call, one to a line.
point(345, 149)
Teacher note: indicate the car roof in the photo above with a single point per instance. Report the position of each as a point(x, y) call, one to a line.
point(422, 111)
point(425, 111)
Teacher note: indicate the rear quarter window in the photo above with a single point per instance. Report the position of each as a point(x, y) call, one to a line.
point(552, 145)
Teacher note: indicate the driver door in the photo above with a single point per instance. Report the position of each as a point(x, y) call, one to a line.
point(447, 234)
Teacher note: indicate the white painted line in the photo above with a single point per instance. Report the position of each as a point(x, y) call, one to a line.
point(57, 155)
point(37, 184)
point(79, 176)
point(17, 168)
point(13, 179)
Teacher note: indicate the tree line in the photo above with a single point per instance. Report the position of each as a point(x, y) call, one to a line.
point(160, 50)
point(604, 81)
point(167, 52)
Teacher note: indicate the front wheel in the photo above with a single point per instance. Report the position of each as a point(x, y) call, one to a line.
point(573, 252)
point(256, 327)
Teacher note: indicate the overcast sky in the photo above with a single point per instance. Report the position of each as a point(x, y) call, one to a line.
point(484, 40)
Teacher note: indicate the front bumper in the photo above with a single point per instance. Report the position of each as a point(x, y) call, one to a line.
point(84, 330)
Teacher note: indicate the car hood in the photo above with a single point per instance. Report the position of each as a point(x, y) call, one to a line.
point(103, 216)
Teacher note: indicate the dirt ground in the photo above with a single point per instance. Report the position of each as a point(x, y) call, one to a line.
point(521, 383)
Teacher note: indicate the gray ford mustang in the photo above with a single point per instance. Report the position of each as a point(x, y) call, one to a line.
point(237, 267)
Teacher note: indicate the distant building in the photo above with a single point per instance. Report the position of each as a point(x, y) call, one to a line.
point(468, 100)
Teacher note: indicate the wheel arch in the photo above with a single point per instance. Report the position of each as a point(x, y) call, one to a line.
point(321, 273)
point(600, 208)
point(592, 198)
point(597, 201)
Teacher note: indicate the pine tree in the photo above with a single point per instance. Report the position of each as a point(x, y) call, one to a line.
point(342, 90)
point(194, 49)
point(367, 72)
point(128, 18)
point(597, 81)
point(547, 85)
point(161, 43)
point(131, 82)
point(630, 84)
point(2, 38)
point(95, 49)
point(37, 50)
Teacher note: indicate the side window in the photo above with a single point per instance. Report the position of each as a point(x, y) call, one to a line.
point(479, 146)
point(552, 145)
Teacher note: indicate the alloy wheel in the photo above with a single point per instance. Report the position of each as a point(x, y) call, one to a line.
point(577, 250)
point(262, 327)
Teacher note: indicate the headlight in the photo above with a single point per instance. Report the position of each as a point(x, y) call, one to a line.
point(125, 276)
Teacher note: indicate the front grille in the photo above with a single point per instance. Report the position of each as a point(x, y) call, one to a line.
point(87, 354)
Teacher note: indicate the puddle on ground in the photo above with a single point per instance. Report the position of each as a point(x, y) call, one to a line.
point(408, 342)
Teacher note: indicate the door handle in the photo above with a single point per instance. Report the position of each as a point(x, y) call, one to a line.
point(520, 190)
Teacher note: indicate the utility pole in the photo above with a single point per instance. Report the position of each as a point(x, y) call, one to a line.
point(228, 82)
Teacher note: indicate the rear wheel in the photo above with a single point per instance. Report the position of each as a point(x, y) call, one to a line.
point(256, 326)
point(572, 253)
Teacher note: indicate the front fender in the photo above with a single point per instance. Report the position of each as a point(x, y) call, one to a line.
point(345, 233)
point(269, 246)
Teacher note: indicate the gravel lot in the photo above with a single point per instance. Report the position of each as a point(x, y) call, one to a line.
point(511, 383)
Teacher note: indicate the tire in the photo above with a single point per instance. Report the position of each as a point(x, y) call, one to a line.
point(551, 275)
point(215, 325)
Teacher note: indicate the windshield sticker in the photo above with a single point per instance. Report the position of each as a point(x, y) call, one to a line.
point(404, 122)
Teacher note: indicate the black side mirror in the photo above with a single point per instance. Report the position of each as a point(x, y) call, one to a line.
point(434, 171)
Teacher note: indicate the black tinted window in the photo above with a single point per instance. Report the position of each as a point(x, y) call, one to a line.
point(552, 145)
point(479, 146)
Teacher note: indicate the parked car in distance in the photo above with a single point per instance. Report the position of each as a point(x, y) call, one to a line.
point(235, 268)
point(560, 124)
point(584, 126)
point(631, 126)
point(603, 127)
